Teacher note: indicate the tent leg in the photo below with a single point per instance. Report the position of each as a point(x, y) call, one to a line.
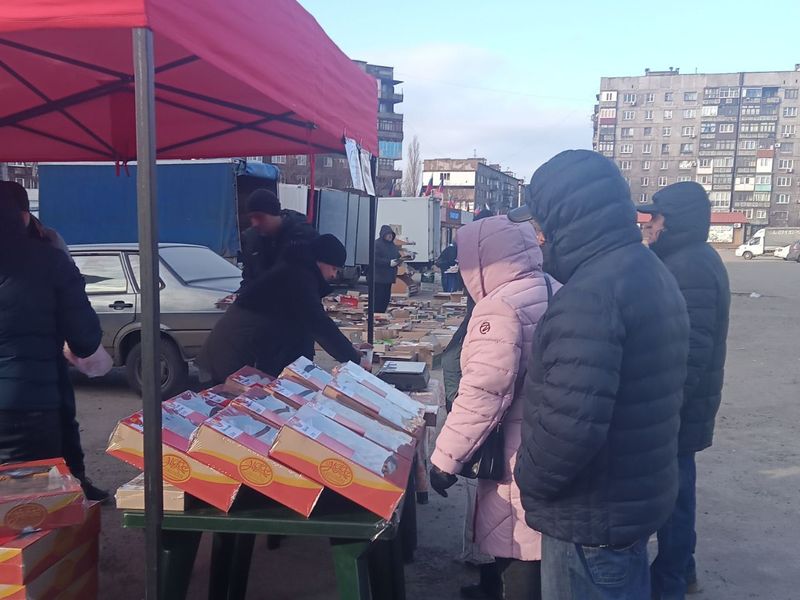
point(373, 225)
point(144, 77)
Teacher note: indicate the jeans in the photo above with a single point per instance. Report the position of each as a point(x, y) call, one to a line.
point(512, 579)
point(449, 282)
point(674, 565)
point(29, 435)
point(575, 572)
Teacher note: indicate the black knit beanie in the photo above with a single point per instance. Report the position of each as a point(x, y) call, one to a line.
point(263, 201)
point(13, 193)
point(329, 250)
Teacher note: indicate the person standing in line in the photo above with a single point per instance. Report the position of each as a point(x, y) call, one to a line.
point(387, 259)
point(598, 468)
point(678, 234)
point(15, 195)
point(501, 266)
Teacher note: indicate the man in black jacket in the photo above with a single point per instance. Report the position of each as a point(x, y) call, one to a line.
point(277, 318)
point(677, 233)
point(42, 304)
point(597, 468)
point(271, 232)
point(387, 258)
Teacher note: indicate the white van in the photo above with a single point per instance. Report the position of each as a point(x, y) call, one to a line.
point(766, 241)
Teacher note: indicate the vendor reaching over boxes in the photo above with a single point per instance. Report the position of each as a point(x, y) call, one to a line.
point(276, 318)
point(272, 231)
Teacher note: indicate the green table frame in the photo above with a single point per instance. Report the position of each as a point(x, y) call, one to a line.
point(368, 552)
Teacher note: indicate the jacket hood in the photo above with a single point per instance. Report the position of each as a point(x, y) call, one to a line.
point(687, 216)
point(583, 205)
point(386, 229)
point(11, 224)
point(494, 251)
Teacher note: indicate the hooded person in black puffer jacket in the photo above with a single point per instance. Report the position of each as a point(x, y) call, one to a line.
point(597, 468)
point(387, 259)
point(677, 233)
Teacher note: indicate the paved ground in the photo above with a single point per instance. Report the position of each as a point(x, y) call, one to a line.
point(749, 482)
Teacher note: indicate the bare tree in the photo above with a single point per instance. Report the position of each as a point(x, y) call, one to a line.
point(412, 178)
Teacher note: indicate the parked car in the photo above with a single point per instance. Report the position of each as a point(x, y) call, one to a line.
point(794, 252)
point(782, 252)
point(193, 280)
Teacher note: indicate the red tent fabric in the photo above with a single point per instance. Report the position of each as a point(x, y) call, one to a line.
point(233, 78)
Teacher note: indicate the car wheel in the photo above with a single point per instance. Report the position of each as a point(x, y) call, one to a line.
point(174, 370)
point(747, 256)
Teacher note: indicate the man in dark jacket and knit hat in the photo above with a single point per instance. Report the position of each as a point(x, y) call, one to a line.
point(387, 259)
point(677, 233)
point(598, 469)
point(277, 318)
point(272, 230)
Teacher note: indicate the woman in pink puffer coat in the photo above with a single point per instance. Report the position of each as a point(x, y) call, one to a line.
point(501, 265)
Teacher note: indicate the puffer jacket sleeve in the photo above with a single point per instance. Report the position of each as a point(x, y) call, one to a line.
point(78, 324)
point(568, 416)
point(700, 293)
point(490, 361)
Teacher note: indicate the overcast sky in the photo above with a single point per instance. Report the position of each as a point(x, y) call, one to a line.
point(515, 81)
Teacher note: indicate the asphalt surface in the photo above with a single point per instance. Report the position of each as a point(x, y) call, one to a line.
point(748, 482)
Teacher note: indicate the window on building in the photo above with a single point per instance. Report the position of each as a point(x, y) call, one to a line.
point(761, 197)
point(685, 164)
point(711, 92)
point(663, 181)
point(625, 165)
point(648, 131)
point(788, 130)
point(664, 165)
point(689, 113)
point(709, 111)
point(723, 162)
point(708, 127)
point(664, 148)
point(726, 127)
point(687, 148)
point(764, 163)
point(608, 113)
point(648, 115)
point(789, 111)
point(626, 149)
point(751, 111)
point(684, 178)
point(704, 179)
point(649, 98)
point(687, 131)
point(626, 132)
point(723, 179)
point(720, 200)
point(609, 96)
point(761, 214)
point(668, 96)
point(786, 164)
point(643, 197)
point(763, 179)
point(752, 92)
point(790, 93)
point(766, 127)
point(725, 144)
point(645, 181)
point(647, 148)
point(628, 115)
point(748, 145)
point(645, 165)
point(302, 160)
point(302, 180)
point(748, 213)
point(279, 160)
point(786, 147)
point(328, 162)
point(729, 92)
point(605, 147)
point(783, 199)
point(705, 163)
point(668, 114)
point(741, 180)
point(769, 92)
point(706, 145)
point(666, 131)
point(780, 215)
point(629, 98)
point(690, 96)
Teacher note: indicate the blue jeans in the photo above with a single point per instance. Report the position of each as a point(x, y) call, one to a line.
point(674, 566)
point(575, 572)
point(449, 282)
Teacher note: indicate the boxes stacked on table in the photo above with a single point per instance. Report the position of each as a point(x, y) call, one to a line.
point(50, 544)
point(287, 438)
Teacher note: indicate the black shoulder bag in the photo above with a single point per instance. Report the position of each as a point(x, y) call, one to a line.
point(489, 461)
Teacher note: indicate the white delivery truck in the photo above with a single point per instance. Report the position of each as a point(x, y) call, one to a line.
point(416, 220)
point(766, 241)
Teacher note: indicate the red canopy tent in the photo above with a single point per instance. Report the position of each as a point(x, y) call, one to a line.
point(95, 80)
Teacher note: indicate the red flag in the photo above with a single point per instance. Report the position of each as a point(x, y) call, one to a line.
point(441, 185)
point(428, 188)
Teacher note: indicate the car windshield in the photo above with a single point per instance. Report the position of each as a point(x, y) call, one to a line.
point(193, 264)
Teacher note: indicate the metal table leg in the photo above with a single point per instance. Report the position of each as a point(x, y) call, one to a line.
point(178, 551)
point(230, 566)
point(352, 569)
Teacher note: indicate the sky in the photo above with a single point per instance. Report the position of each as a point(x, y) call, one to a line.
point(515, 81)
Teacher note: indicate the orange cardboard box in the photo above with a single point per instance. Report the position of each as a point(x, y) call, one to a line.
point(181, 470)
point(245, 378)
point(343, 461)
point(56, 581)
point(268, 407)
point(237, 443)
point(39, 494)
point(25, 557)
point(295, 394)
point(306, 373)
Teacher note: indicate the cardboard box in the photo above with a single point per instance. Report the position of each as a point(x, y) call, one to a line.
point(343, 461)
point(237, 443)
point(245, 378)
point(85, 588)
point(291, 392)
point(25, 557)
point(180, 469)
point(196, 407)
point(305, 372)
point(131, 496)
point(262, 403)
point(387, 437)
point(56, 581)
point(39, 494)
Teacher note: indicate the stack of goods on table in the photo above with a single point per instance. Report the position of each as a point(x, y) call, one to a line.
point(286, 438)
point(49, 534)
point(411, 330)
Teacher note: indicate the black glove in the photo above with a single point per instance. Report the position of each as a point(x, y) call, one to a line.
point(440, 481)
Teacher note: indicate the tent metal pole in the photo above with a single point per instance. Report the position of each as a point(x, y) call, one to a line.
point(373, 225)
point(144, 74)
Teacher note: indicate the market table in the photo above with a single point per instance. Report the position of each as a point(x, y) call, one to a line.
point(367, 550)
